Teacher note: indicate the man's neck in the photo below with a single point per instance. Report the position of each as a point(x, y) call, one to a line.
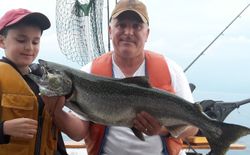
point(128, 65)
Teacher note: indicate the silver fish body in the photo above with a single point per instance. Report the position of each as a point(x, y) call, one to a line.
point(115, 102)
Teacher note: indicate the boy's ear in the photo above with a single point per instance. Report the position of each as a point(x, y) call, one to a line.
point(2, 41)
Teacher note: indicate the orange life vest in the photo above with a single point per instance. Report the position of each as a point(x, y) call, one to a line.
point(159, 77)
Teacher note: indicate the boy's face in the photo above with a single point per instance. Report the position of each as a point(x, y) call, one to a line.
point(21, 45)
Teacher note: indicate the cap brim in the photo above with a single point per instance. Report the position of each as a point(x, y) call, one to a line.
point(42, 21)
point(115, 15)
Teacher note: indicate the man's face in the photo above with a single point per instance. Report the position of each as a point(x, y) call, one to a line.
point(128, 34)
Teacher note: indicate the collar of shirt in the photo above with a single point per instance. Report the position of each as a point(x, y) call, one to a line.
point(119, 74)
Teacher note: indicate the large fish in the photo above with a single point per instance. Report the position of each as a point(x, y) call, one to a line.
point(115, 102)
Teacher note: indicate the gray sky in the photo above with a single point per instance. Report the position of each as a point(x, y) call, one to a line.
point(181, 29)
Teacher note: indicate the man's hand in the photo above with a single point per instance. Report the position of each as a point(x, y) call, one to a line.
point(20, 127)
point(146, 123)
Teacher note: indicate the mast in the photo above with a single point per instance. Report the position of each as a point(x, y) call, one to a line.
point(108, 24)
point(108, 18)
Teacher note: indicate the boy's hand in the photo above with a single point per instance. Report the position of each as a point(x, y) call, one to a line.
point(53, 104)
point(20, 127)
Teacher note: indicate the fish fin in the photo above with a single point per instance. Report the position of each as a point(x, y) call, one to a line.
point(137, 80)
point(176, 130)
point(138, 134)
point(220, 141)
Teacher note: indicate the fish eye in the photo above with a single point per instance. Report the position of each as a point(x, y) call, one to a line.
point(57, 72)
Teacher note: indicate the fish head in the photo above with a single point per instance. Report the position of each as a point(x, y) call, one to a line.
point(52, 81)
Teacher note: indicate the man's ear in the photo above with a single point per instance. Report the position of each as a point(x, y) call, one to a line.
point(2, 41)
point(110, 33)
point(147, 34)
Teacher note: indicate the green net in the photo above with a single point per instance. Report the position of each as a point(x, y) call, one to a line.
point(79, 29)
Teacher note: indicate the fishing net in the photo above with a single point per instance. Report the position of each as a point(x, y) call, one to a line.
point(79, 29)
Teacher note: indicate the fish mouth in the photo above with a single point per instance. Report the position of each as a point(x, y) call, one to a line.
point(43, 63)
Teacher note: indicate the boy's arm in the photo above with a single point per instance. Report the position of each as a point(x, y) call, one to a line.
point(70, 124)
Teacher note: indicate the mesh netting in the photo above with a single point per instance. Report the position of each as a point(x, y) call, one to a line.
point(79, 29)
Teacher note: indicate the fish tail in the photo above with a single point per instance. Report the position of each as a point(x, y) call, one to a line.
point(220, 141)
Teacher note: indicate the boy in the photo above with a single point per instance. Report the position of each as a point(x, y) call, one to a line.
point(25, 127)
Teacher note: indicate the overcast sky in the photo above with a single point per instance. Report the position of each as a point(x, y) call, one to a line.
point(181, 29)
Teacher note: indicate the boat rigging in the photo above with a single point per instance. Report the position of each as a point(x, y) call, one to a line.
point(216, 38)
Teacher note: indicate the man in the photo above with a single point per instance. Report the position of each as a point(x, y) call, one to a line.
point(129, 30)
